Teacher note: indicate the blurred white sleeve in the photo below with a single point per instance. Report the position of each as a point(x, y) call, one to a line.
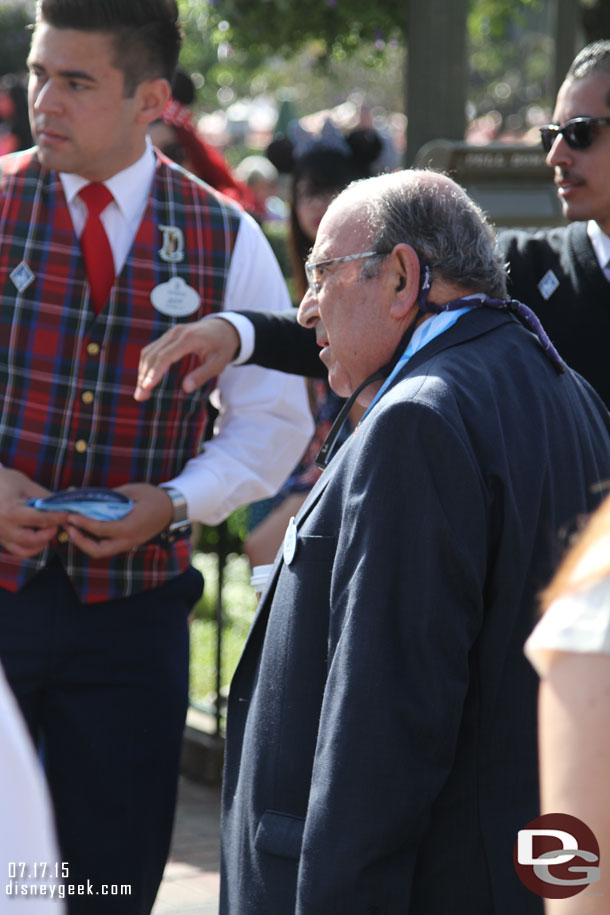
point(265, 423)
point(27, 833)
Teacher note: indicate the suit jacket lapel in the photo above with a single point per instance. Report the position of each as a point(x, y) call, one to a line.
point(259, 624)
point(471, 325)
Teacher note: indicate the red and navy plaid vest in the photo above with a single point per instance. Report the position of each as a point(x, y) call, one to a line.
point(67, 413)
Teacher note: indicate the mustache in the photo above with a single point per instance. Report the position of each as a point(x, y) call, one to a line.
point(565, 174)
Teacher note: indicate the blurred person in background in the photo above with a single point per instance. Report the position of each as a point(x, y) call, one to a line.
point(176, 136)
point(320, 166)
point(15, 132)
point(261, 176)
point(29, 855)
point(570, 649)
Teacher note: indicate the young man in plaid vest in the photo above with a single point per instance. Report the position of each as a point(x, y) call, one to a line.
point(94, 613)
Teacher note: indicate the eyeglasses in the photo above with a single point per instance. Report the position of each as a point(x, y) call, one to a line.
point(315, 272)
point(579, 133)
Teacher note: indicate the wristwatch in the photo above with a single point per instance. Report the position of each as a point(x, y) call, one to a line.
point(180, 519)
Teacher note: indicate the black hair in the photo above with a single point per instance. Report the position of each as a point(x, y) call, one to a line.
point(592, 60)
point(183, 87)
point(146, 33)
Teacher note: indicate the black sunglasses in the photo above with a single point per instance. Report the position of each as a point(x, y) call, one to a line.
point(578, 133)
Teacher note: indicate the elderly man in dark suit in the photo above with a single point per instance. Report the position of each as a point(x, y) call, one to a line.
point(381, 747)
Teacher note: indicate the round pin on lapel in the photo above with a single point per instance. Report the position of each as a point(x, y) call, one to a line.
point(290, 541)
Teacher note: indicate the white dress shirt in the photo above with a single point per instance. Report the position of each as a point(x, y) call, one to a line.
point(265, 422)
point(600, 242)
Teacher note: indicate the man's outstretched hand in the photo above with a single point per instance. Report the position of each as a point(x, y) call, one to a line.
point(214, 340)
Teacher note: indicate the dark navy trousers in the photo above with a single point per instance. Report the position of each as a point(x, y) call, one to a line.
point(104, 690)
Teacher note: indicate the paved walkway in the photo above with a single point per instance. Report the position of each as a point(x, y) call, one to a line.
point(191, 880)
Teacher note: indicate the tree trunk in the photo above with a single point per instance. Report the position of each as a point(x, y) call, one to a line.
point(596, 21)
point(436, 72)
point(566, 32)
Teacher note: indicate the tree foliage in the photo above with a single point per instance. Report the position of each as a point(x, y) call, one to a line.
point(268, 27)
point(510, 57)
point(595, 19)
point(270, 44)
point(283, 25)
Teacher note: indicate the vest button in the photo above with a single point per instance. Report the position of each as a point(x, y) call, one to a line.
point(63, 537)
point(93, 349)
point(87, 397)
point(81, 446)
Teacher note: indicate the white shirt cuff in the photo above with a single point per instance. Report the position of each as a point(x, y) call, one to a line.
point(244, 328)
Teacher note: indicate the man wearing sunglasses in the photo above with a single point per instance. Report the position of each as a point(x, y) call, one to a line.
point(563, 273)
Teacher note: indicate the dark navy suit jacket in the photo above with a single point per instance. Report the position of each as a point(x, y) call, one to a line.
point(381, 747)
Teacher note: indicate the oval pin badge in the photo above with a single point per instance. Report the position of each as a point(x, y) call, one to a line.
point(290, 541)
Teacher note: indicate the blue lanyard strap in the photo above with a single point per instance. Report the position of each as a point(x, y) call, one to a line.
point(426, 332)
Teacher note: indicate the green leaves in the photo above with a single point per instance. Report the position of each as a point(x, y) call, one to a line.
point(282, 25)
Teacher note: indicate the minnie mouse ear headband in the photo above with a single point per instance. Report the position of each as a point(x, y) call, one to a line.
point(362, 144)
point(329, 138)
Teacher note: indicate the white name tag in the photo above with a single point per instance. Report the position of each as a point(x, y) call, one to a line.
point(175, 298)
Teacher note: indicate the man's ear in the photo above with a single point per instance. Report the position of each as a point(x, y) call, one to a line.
point(153, 95)
point(405, 279)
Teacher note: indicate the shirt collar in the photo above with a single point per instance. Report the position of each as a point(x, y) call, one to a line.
point(600, 243)
point(129, 187)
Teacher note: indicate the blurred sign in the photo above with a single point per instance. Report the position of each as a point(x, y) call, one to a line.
point(512, 183)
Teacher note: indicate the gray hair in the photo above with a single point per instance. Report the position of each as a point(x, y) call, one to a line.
point(435, 216)
point(593, 60)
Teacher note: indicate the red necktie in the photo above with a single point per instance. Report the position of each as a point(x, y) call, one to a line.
point(96, 249)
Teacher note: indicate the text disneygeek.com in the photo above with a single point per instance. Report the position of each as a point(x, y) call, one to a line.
point(65, 890)
point(27, 880)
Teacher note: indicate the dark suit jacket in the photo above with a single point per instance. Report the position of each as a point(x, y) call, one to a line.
point(381, 748)
point(576, 314)
point(281, 343)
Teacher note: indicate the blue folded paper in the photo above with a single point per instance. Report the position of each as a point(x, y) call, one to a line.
point(96, 503)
